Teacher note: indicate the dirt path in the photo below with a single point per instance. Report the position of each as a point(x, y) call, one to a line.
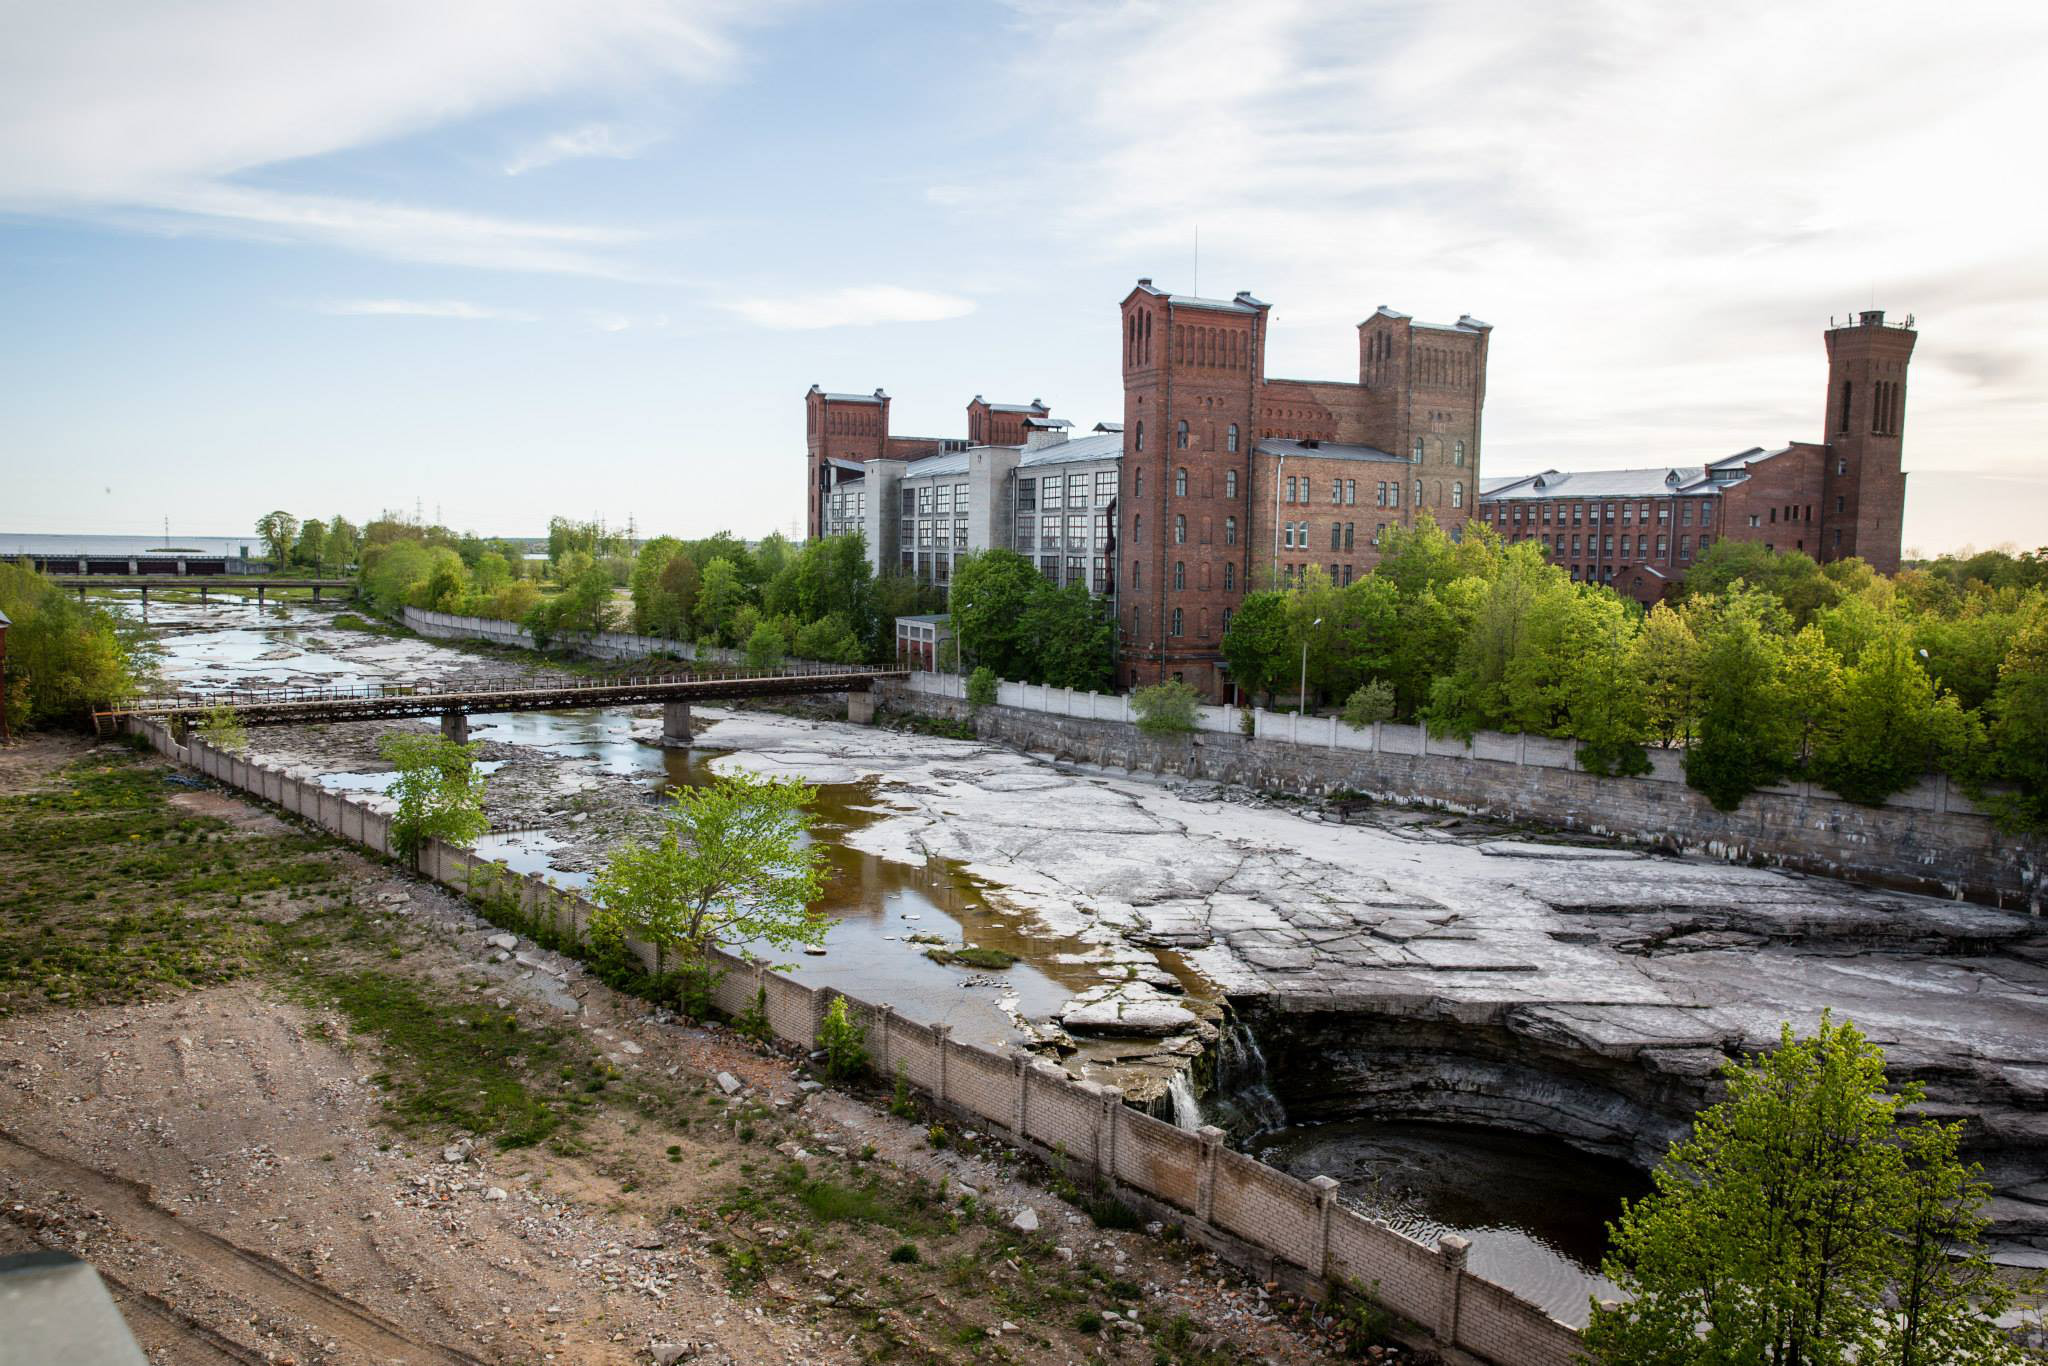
point(211, 1266)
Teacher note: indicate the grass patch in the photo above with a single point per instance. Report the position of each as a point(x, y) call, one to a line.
point(973, 957)
point(461, 1066)
point(114, 895)
point(350, 621)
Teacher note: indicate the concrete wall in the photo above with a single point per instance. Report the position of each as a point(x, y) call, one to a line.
point(1277, 1225)
point(618, 645)
point(1927, 839)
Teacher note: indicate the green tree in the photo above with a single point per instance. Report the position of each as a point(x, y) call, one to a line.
point(1746, 736)
point(983, 687)
point(1258, 644)
point(720, 596)
point(439, 791)
point(1166, 708)
point(676, 600)
point(2018, 750)
point(1667, 664)
point(64, 656)
point(766, 647)
point(1893, 725)
point(277, 530)
point(310, 549)
point(1812, 679)
point(1372, 703)
point(1071, 634)
point(1798, 584)
point(344, 542)
point(389, 569)
point(1602, 692)
point(829, 639)
point(585, 602)
point(993, 592)
point(733, 867)
point(1805, 1223)
point(645, 583)
point(223, 729)
point(491, 572)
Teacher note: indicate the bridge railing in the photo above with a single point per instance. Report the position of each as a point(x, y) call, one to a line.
point(195, 700)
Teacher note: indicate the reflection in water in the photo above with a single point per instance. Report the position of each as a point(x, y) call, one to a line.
point(1536, 1210)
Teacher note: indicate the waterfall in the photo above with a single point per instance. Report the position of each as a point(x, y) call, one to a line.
point(1242, 1081)
point(1187, 1109)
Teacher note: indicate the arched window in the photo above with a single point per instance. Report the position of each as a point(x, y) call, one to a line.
point(1180, 434)
point(1230, 531)
point(1418, 494)
point(1137, 483)
point(1230, 438)
point(1229, 578)
point(1458, 494)
point(1137, 575)
point(1138, 437)
point(1180, 482)
point(1180, 575)
point(1226, 620)
point(1230, 476)
point(1137, 532)
point(1177, 619)
point(1180, 529)
point(1458, 454)
point(1417, 457)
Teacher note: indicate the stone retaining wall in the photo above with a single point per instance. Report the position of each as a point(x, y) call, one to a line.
point(1929, 839)
point(1283, 1228)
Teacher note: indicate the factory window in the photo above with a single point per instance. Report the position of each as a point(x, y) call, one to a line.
point(1418, 450)
point(1180, 530)
point(1180, 482)
point(1230, 481)
point(1177, 619)
point(1230, 531)
point(1350, 492)
point(1458, 454)
point(1180, 575)
point(1350, 534)
point(1458, 495)
point(1336, 535)
point(1229, 584)
point(1180, 436)
point(1231, 438)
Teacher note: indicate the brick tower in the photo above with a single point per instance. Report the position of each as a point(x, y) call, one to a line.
point(850, 428)
point(1192, 368)
point(1864, 488)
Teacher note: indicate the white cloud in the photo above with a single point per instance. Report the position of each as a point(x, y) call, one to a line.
point(424, 308)
point(858, 306)
point(1659, 206)
point(599, 140)
point(161, 112)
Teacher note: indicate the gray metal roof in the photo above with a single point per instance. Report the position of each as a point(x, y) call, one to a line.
point(1050, 423)
point(4, 622)
point(1109, 426)
point(1661, 481)
point(1327, 450)
point(1074, 451)
point(875, 397)
point(1032, 407)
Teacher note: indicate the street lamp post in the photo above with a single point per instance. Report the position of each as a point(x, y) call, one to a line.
point(1301, 707)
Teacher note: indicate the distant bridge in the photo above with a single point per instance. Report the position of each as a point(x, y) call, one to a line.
point(205, 583)
point(377, 702)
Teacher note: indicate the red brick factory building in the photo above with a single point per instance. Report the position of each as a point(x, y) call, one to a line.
point(1221, 479)
point(1639, 530)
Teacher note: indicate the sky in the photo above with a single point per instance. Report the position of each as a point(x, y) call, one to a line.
point(502, 259)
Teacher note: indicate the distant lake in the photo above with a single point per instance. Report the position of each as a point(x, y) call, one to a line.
point(43, 543)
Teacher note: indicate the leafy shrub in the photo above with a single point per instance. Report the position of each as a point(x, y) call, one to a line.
point(1371, 704)
point(1165, 708)
point(844, 1042)
point(981, 687)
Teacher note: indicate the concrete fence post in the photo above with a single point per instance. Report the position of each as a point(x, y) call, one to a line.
point(1020, 1065)
point(1333, 732)
point(884, 1013)
point(1325, 1188)
point(1112, 1108)
point(1522, 748)
point(1205, 1176)
point(1376, 736)
point(1451, 1250)
point(942, 1034)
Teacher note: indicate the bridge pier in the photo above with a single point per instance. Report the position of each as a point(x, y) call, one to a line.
point(316, 592)
point(455, 726)
point(860, 706)
point(675, 725)
point(259, 597)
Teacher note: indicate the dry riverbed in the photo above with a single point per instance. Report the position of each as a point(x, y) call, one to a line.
point(300, 1107)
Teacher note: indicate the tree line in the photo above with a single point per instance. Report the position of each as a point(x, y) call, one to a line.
point(1768, 667)
point(773, 599)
